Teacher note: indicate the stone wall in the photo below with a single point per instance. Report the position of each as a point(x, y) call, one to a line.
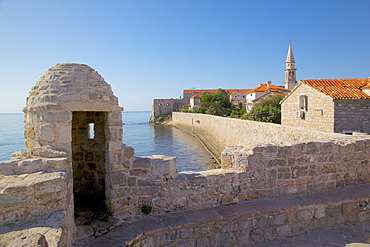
point(352, 116)
point(162, 107)
point(250, 222)
point(265, 164)
point(255, 171)
point(36, 198)
point(219, 132)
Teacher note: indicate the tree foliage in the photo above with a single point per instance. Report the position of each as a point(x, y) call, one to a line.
point(267, 110)
point(216, 104)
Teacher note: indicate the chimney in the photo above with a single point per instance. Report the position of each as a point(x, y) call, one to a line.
point(268, 83)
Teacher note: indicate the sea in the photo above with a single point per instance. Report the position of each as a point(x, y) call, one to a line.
point(146, 139)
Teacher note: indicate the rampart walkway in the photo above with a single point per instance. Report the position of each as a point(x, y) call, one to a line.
point(275, 220)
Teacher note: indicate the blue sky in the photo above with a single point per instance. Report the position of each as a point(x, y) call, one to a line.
point(150, 49)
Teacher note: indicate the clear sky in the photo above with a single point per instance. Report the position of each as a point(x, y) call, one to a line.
point(150, 49)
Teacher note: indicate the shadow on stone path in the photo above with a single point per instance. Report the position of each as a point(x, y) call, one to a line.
point(357, 235)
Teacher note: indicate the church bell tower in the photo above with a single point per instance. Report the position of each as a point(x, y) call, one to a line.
point(290, 70)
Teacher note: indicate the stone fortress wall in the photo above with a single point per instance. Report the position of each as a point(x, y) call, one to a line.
point(162, 107)
point(266, 160)
point(40, 185)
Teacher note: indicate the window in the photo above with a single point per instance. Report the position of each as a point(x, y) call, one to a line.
point(91, 131)
point(302, 102)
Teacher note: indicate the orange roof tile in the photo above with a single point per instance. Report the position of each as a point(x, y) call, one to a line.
point(341, 88)
point(211, 91)
point(196, 96)
point(273, 88)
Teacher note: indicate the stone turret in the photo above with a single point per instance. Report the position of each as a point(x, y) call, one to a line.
point(72, 109)
point(58, 95)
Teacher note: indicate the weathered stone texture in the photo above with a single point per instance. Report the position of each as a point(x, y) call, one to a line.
point(219, 132)
point(249, 222)
point(319, 114)
point(326, 114)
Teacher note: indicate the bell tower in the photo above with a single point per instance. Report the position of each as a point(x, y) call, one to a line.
point(290, 70)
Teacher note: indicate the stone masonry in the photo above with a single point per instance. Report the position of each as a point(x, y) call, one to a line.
point(75, 158)
point(325, 113)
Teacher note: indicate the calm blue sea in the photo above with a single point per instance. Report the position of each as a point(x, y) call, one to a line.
point(145, 138)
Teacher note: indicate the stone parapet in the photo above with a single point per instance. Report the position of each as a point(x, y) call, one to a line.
point(250, 171)
point(247, 222)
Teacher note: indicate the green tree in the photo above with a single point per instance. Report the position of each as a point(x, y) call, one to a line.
point(216, 104)
point(267, 110)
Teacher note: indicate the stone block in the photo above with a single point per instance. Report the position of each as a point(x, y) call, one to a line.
point(62, 117)
point(351, 209)
point(139, 172)
point(284, 173)
point(333, 211)
point(299, 171)
point(276, 162)
point(141, 162)
point(283, 231)
point(30, 165)
point(279, 219)
point(320, 212)
point(186, 233)
point(305, 214)
point(164, 166)
point(118, 178)
point(64, 134)
point(47, 132)
point(115, 146)
point(8, 167)
point(284, 152)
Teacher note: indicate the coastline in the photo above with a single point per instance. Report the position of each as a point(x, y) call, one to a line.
point(167, 120)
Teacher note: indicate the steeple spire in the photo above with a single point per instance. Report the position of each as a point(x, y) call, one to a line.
point(290, 56)
point(290, 70)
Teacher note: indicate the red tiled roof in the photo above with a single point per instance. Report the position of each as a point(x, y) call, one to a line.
point(212, 91)
point(341, 88)
point(273, 88)
point(272, 92)
point(196, 96)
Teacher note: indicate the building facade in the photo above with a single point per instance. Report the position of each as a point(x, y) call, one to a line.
point(334, 105)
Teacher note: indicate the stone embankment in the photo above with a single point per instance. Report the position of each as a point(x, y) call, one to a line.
point(219, 132)
point(163, 120)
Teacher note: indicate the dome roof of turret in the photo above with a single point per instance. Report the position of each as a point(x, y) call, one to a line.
point(71, 86)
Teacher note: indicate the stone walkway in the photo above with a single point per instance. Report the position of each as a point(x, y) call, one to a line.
point(246, 222)
point(357, 235)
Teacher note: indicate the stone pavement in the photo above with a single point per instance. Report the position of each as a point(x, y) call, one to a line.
point(356, 235)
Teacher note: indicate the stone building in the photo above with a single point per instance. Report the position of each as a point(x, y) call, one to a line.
point(194, 101)
point(335, 105)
